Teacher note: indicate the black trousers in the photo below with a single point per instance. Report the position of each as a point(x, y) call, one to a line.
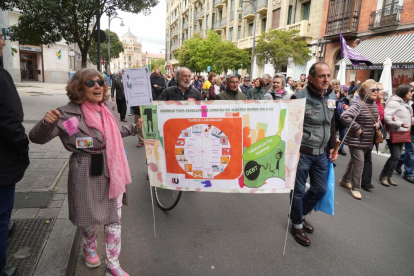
point(367, 172)
point(122, 108)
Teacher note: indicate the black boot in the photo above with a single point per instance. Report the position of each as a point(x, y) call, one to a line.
point(12, 226)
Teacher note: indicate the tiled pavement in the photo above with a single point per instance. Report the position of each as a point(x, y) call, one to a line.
point(47, 173)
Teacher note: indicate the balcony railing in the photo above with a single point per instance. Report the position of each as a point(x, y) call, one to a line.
point(386, 17)
point(175, 47)
point(200, 14)
point(185, 25)
point(231, 15)
point(223, 22)
point(173, 33)
point(343, 17)
point(303, 27)
point(217, 3)
point(248, 11)
point(262, 5)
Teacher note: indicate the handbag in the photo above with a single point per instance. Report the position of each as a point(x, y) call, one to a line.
point(378, 134)
point(400, 137)
point(327, 202)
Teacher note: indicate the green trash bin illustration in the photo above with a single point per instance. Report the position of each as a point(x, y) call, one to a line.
point(266, 158)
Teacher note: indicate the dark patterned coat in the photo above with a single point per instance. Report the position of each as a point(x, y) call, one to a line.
point(363, 121)
point(88, 196)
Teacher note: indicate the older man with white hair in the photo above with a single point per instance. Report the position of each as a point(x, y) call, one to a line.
point(183, 90)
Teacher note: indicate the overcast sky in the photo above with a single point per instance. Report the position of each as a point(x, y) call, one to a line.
point(149, 29)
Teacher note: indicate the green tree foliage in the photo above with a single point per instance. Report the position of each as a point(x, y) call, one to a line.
point(188, 54)
point(116, 49)
point(160, 63)
point(49, 21)
point(276, 46)
point(198, 53)
point(230, 57)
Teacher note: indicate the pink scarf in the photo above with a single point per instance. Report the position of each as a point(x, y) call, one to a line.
point(119, 174)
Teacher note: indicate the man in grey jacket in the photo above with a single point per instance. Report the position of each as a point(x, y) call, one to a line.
point(318, 141)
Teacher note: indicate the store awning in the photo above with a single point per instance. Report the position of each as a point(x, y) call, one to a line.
point(399, 48)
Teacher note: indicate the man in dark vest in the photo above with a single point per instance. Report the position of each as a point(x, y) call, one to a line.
point(318, 142)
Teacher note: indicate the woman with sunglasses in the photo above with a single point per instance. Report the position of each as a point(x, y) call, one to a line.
point(88, 126)
point(360, 138)
point(398, 120)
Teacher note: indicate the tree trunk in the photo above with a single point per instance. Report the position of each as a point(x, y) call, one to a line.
point(84, 57)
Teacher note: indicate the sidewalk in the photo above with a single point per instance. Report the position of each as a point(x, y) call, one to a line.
point(43, 238)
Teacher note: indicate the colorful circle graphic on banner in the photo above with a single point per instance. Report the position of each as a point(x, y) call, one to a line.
point(203, 151)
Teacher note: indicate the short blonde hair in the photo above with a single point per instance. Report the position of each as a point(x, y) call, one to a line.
point(74, 88)
point(216, 80)
point(364, 89)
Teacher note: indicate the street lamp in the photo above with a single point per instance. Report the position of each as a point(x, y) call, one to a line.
point(240, 10)
point(108, 70)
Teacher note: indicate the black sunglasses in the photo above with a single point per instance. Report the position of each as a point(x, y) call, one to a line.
point(375, 90)
point(91, 83)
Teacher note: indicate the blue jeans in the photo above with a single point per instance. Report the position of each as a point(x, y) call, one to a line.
point(407, 158)
point(341, 130)
point(6, 207)
point(316, 166)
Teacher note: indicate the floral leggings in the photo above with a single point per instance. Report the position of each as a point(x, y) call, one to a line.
point(112, 238)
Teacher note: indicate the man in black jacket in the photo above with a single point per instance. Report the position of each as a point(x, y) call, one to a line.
point(118, 86)
point(157, 84)
point(14, 155)
point(183, 90)
point(173, 81)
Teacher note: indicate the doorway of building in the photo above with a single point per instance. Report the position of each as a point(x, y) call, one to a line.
point(28, 66)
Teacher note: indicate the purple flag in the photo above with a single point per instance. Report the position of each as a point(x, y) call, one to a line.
point(350, 53)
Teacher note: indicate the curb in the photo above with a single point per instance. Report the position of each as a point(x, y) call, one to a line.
point(73, 254)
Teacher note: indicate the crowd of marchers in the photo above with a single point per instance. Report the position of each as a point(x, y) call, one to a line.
point(89, 127)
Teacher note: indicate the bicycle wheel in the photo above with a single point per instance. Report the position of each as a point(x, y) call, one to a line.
point(166, 199)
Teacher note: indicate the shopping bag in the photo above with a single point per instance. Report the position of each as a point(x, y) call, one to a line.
point(326, 204)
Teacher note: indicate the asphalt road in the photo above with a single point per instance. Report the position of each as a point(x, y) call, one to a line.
point(244, 234)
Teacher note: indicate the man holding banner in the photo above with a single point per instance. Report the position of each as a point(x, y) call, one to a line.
point(318, 139)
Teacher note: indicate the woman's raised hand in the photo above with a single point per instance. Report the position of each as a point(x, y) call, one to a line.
point(52, 116)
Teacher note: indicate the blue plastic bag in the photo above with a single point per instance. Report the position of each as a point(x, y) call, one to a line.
point(327, 202)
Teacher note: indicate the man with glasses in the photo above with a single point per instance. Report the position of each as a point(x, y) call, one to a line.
point(232, 90)
point(183, 90)
point(14, 155)
point(407, 158)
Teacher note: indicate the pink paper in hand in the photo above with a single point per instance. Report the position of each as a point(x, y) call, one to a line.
point(71, 125)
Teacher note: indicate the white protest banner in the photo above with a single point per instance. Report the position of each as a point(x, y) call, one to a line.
point(224, 146)
point(137, 86)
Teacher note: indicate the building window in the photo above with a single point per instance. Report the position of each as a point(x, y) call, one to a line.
point(231, 34)
point(239, 32)
point(264, 20)
point(343, 16)
point(129, 58)
point(290, 13)
point(251, 29)
point(207, 21)
point(306, 10)
point(124, 64)
point(276, 19)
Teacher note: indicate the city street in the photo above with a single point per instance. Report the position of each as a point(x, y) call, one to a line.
point(243, 234)
point(228, 234)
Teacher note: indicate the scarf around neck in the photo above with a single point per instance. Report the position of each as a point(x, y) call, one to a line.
point(119, 174)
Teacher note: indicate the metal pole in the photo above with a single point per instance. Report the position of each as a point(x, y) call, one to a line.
point(108, 70)
point(98, 36)
point(254, 5)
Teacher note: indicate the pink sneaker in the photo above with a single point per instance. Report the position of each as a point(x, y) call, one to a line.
point(117, 271)
point(91, 258)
